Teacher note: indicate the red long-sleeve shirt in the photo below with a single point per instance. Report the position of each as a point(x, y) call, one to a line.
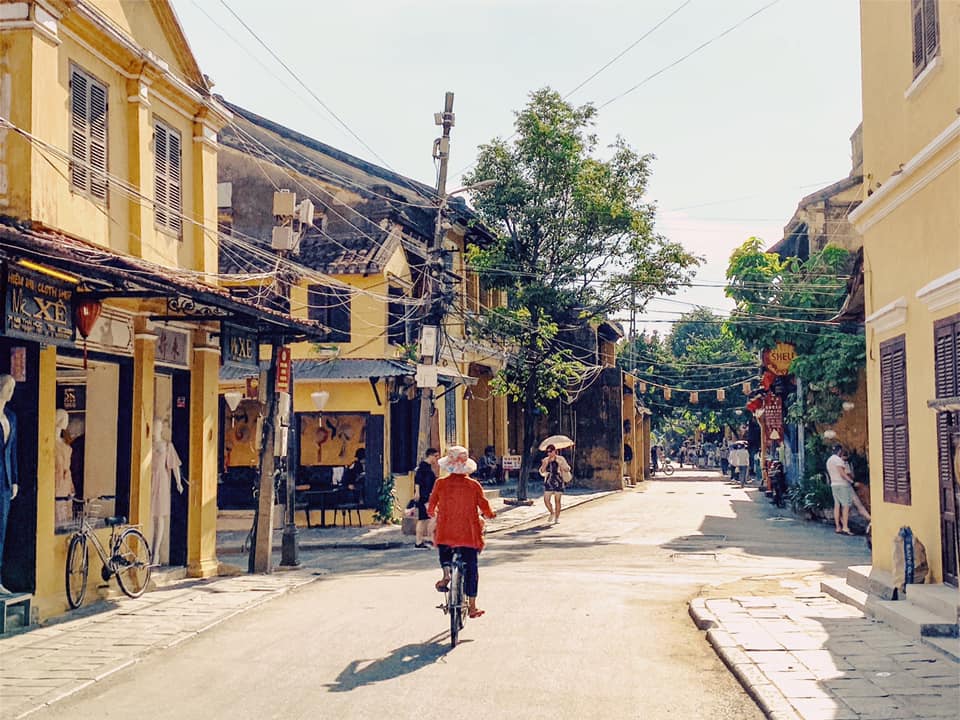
point(454, 502)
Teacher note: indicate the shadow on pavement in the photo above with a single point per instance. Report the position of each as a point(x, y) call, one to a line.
point(405, 659)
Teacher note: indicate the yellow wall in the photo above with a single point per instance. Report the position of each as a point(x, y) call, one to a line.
point(911, 225)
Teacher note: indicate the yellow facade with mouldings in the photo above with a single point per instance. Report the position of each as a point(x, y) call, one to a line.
point(910, 222)
point(137, 53)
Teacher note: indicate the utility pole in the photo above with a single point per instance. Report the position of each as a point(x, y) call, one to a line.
point(433, 315)
point(276, 389)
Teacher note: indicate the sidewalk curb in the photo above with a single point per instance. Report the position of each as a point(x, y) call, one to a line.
point(702, 617)
point(768, 698)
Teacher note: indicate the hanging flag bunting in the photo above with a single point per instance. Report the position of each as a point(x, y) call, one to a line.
point(721, 395)
point(746, 388)
point(643, 387)
point(694, 397)
point(666, 393)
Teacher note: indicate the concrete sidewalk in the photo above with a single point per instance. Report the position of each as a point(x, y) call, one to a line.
point(810, 657)
point(44, 664)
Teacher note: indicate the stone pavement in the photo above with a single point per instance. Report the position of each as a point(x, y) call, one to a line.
point(44, 664)
point(811, 657)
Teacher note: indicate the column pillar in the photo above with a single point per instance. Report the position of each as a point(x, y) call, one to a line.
point(141, 454)
point(204, 439)
point(140, 161)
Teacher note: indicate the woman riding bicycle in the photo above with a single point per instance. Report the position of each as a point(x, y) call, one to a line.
point(455, 502)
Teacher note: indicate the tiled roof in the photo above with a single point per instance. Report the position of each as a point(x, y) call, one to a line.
point(335, 369)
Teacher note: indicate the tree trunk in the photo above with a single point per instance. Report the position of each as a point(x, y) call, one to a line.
point(529, 446)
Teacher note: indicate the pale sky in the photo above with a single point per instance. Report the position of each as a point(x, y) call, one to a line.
point(741, 130)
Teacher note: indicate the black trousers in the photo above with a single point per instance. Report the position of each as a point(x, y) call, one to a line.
point(471, 572)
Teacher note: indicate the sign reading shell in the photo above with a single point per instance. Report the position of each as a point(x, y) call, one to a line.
point(779, 358)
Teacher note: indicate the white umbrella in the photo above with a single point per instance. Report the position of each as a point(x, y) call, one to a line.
point(558, 441)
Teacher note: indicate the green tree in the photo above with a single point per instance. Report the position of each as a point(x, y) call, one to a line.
point(700, 354)
point(575, 243)
point(795, 301)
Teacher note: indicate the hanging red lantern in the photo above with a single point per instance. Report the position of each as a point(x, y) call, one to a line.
point(86, 314)
point(767, 381)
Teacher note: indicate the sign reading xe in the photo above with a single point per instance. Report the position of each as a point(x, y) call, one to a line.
point(239, 347)
point(38, 308)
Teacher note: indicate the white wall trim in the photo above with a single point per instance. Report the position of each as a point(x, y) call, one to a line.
point(889, 197)
point(942, 292)
point(889, 316)
point(924, 77)
point(14, 11)
point(41, 30)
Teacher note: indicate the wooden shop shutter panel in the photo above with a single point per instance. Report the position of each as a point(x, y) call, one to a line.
point(893, 411)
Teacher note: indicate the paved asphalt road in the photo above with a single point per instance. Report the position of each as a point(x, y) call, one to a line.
point(585, 619)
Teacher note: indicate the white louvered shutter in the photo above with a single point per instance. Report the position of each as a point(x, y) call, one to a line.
point(169, 194)
point(98, 141)
point(161, 195)
point(175, 221)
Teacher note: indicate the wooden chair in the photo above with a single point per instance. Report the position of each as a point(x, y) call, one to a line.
point(351, 500)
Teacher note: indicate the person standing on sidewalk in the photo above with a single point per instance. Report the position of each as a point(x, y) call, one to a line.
point(841, 484)
point(455, 502)
point(423, 482)
point(553, 467)
point(740, 457)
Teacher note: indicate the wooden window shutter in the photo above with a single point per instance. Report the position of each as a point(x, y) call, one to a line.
point(931, 30)
point(98, 141)
point(893, 412)
point(916, 8)
point(79, 130)
point(168, 193)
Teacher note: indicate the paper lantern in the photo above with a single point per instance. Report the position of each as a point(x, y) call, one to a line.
point(746, 388)
point(666, 393)
point(694, 397)
point(86, 314)
point(721, 395)
point(643, 387)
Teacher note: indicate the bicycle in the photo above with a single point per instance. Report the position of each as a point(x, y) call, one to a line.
point(128, 559)
point(666, 466)
point(455, 602)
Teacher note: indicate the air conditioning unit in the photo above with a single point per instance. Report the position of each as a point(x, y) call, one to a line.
point(282, 238)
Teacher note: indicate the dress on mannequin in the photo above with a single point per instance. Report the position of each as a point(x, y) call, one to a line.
point(63, 479)
point(8, 462)
point(165, 462)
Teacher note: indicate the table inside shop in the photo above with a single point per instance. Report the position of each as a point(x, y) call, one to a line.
point(319, 499)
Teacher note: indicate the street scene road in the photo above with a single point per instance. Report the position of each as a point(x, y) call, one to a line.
point(587, 618)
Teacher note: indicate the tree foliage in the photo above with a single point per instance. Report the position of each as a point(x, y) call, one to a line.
point(575, 243)
point(794, 301)
point(700, 354)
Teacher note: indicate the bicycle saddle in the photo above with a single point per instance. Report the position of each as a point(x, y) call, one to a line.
point(114, 520)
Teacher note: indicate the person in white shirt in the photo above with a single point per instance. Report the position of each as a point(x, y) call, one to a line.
point(841, 483)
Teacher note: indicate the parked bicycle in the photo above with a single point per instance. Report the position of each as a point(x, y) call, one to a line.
point(455, 601)
point(128, 559)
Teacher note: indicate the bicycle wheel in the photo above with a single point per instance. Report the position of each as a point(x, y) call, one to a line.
point(131, 562)
point(455, 604)
point(667, 469)
point(77, 570)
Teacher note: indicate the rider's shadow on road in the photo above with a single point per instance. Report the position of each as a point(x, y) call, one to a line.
point(403, 660)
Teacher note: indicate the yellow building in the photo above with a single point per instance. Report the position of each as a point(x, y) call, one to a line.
point(910, 223)
point(108, 215)
point(362, 270)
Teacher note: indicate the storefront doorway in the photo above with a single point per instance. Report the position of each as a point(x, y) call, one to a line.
point(171, 435)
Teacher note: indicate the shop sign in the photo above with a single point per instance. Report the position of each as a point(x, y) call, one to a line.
point(283, 369)
point(72, 398)
point(773, 414)
point(173, 347)
point(38, 307)
point(239, 347)
point(779, 358)
point(512, 462)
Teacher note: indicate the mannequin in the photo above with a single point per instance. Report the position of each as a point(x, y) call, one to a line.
point(62, 479)
point(8, 461)
point(165, 462)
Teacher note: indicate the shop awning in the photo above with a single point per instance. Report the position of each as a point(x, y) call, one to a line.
point(103, 273)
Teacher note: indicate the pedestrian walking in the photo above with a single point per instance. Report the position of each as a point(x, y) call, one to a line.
point(423, 482)
point(740, 457)
point(841, 484)
point(553, 467)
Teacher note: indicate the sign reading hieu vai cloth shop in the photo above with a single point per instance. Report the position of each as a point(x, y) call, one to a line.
point(38, 307)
